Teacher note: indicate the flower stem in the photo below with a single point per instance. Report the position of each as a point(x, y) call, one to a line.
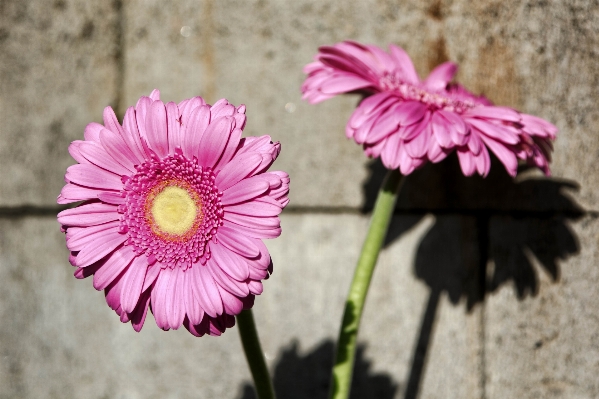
point(346, 345)
point(254, 355)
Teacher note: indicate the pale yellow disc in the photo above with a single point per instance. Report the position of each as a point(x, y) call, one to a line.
point(174, 211)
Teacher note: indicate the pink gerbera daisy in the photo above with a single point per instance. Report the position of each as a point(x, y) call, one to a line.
point(408, 122)
point(176, 205)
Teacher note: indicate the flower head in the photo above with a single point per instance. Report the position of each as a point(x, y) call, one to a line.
point(408, 122)
point(176, 205)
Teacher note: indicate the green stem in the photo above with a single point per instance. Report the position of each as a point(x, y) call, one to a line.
point(346, 345)
point(254, 355)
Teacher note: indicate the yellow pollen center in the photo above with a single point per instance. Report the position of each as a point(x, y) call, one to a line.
point(174, 211)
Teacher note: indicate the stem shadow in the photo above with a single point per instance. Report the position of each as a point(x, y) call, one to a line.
point(300, 376)
point(487, 233)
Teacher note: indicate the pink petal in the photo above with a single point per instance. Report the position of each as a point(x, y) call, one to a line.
point(193, 132)
point(152, 273)
point(95, 153)
point(113, 296)
point(229, 262)
point(410, 131)
point(374, 150)
point(192, 306)
point(222, 108)
point(155, 95)
point(494, 131)
point(255, 287)
point(231, 303)
point(112, 267)
point(410, 112)
point(214, 140)
point(106, 242)
point(75, 152)
point(349, 57)
point(88, 215)
point(186, 107)
point(141, 110)
point(111, 122)
point(133, 281)
point(73, 193)
point(261, 144)
point(390, 153)
point(230, 148)
point(206, 291)
point(361, 135)
point(458, 129)
point(236, 242)
point(405, 161)
point(118, 149)
point(91, 176)
point(173, 127)
point(376, 103)
point(505, 155)
point(175, 302)
point(254, 232)
point(435, 152)
point(132, 137)
point(159, 293)
point(418, 146)
point(156, 129)
point(474, 143)
point(78, 237)
point(494, 112)
point(255, 222)
point(343, 83)
point(111, 197)
point(467, 162)
point(441, 76)
point(92, 132)
point(224, 280)
point(245, 190)
point(256, 208)
point(403, 61)
point(237, 169)
point(441, 130)
point(384, 60)
point(138, 316)
point(483, 162)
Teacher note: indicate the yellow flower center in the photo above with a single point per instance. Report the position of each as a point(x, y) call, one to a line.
point(174, 212)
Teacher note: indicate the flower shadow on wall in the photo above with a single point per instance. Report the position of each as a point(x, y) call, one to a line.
point(486, 234)
point(301, 376)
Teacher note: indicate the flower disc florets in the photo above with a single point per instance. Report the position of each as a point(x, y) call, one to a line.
point(189, 190)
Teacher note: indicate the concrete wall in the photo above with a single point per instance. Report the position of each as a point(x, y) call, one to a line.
point(486, 289)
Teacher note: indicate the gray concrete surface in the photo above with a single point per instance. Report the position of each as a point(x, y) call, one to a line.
point(487, 288)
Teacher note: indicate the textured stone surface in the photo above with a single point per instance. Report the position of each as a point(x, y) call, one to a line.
point(540, 57)
point(63, 341)
point(167, 48)
point(426, 332)
point(58, 70)
point(546, 346)
point(529, 57)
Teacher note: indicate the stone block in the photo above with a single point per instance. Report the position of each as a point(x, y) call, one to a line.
point(542, 341)
point(167, 48)
point(536, 57)
point(59, 69)
point(63, 341)
point(67, 61)
point(253, 53)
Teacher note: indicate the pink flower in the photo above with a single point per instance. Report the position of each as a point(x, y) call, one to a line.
point(408, 122)
point(176, 205)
